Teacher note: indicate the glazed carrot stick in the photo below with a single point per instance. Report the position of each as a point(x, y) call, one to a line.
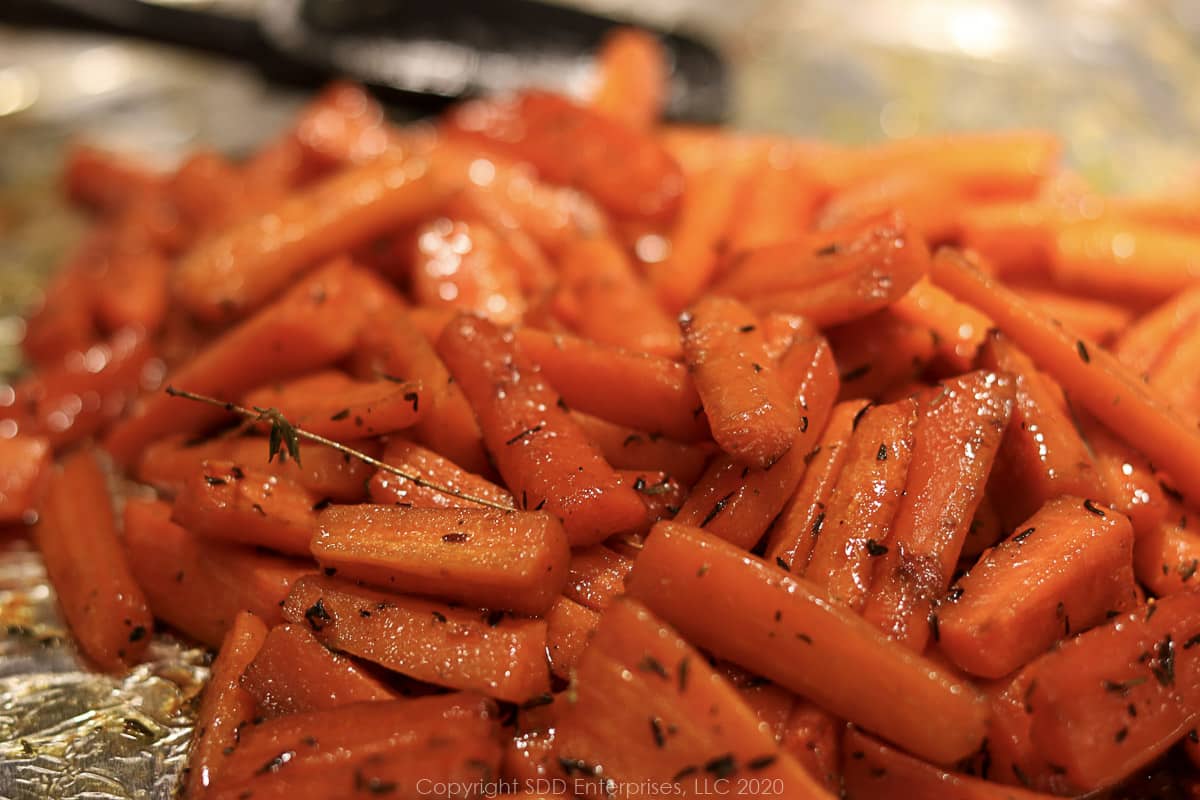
point(1130, 485)
point(631, 83)
point(569, 628)
point(753, 417)
point(103, 181)
point(104, 608)
point(925, 200)
point(198, 586)
point(628, 448)
point(955, 443)
point(307, 328)
point(1125, 261)
point(661, 494)
point(433, 642)
point(646, 392)
point(133, 292)
point(649, 707)
point(783, 628)
point(739, 505)
point(1064, 568)
point(855, 527)
point(465, 265)
point(1145, 341)
point(331, 404)
point(222, 500)
point(239, 270)
point(626, 170)
point(1174, 374)
point(530, 753)
point(958, 329)
point(544, 456)
point(777, 203)
point(1081, 693)
point(782, 330)
point(24, 468)
point(880, 352)
point(872, 769)
point(596, 576)
point(1015, 238)
point(1095, 319)
point(796, 530)
point(342, 125)
point(770, 703)
point(985, 529)
point(293, 672)
point(1098, 382)
point(602, 298)
point(511, 560)
point(1166, 557)
point(65, 321)
point(208, 191)
point(225, 707)
point(813, 736)
point(387, 488)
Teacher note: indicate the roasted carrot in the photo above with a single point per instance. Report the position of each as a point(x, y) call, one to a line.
point(777, 203)
point(739, 504)
point(467, 266)
point(98, 594)
point(1174, 374)
point(880, 352)
point(208, 191)
point(544, 456)
point(569, 628)
point(1095, 319)
point(1130, 485)
point(104, 181)
point(293, 672)
point(799, 525)
point(854, 529)
point(958, 330)
point(388, 488)
point(133, 292)
point(1166, 556)
point(1125, 261)
point(770, 702)
point(923, 199)
point(429, 641)
point(985, 529)
point(1094, 378)
point(1145, 341)
point(65, 321)
point(813, 736)
point(24, 469)
point(649, 707)
point(630, 449)
point(223, 500)
point(509, 560)
point(783, 628)
point(531, 753)
point(1015, 237)
point(342, 125)
point(198, 586)
point(571, 144)
point(596, 576)
point(631, 83)
point(955, 443)
point(225, 707)
point(331, 404)
point(753, 416)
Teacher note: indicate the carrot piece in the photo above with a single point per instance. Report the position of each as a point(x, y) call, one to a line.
point(661, 494)
point(738, 607)
point(1174, 373)
point(985, 529)
point(199, 586)
point(540, 450)
point(813, 736)
point(795, 532)
point(342, 125)
point(569, 628)
point(293, 672)
point(1130, 485)
point(632, 82)
point(571, 144)
point(650, 708)
point(208, 191)
point(1068, 565)
point(103, 181)
point(240, 269)
point(133, 292)
point(64, 323)
point(770, 703)
point(1042, 455)
point(782, 330)
point(309, 327)
point(513, 560)
point(1080, 693)
point(1145, 341)
point(1095, 319)
point(331, 404)
point(778, 202)
point(602, 298)
point(387, 488)
point(225, 707)
point(955, 443)
point(1126, 261)
point(926, 202)
point(530, 754)
point(646, 392)
point(223, 500)
point(596, 576)
point(753, 417)
point(103, 606)
point(24, 468)
point(739, 505)
point(872, 769)
point(326, 473)
point(879, 352)
point(465, 265)
point(1015, 237)
point(630, 449)
point(1166, 556)
point(958, 329)
point(857, 519)
point(429, 641)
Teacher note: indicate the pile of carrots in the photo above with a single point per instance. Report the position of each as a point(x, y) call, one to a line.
point(550, 450)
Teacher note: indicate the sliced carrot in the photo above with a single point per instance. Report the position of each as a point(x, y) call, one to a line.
point(1174, 374)
point(853, 531)
point(225, 707)
point(632, 80)
point(331, 404)
point(388, 488)
point(1093, 377)
point(596, 576)
point(926, 201)
point(1095, 319)
point(770, 703)
point(293, 672)
point(208, 191)
point(569, 628)
point(467, 266)
point(955, 443)
point(1130, 485)
point(243, 267)
point(630, 449)
point(881, 352)
point(24, 468)
point(958, 330)
point(222, 500)
point(199, 586)
point(530, 754)
point(511, 560)
point(985, 529)
point(104, 608)
point(544, 456)
point(626, 170)
point(1015, 237)
point(796, 530)
point(1166, 557)
point(1145, 341)
point(783, 628)
point(739, 504)
point(65, 321)
point(777, 203)
point(813, 736)
point(133, 292)
point(342, 125)
point(649, 707)
point(1126, 261)
point(429, 641)
point(782, 330)
point(103, 181)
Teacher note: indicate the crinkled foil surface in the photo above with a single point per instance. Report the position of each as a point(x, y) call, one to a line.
point(1116, 78)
